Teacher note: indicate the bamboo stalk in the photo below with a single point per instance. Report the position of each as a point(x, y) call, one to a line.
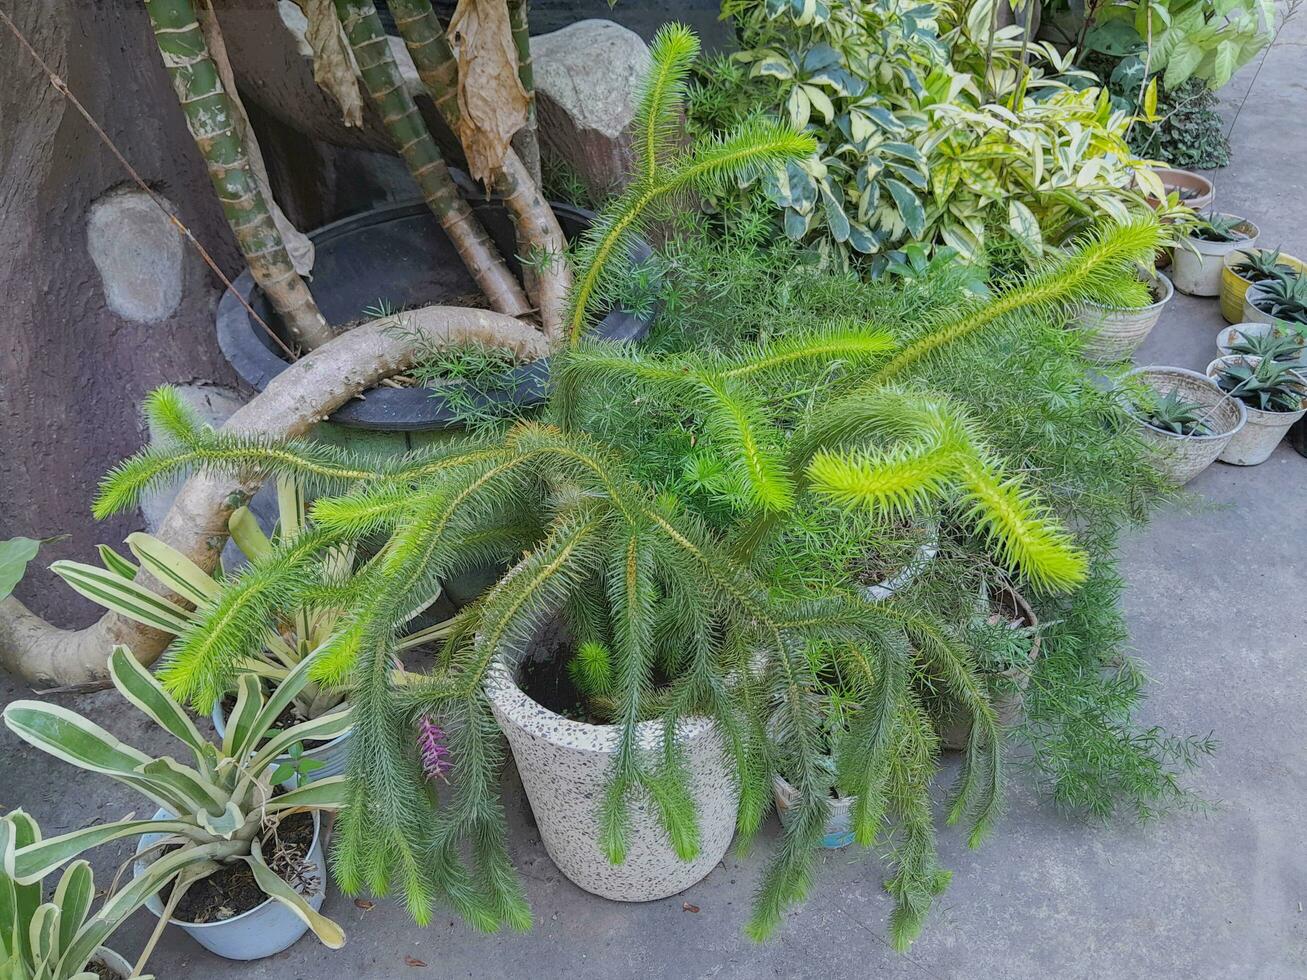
point(540, 239)
point(211, 123)
point(527, 140)
point(403, 121)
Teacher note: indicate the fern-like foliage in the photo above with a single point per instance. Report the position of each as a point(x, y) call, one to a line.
point(755, 147)
point(802, 422)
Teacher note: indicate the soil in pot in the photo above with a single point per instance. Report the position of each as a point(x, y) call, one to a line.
point(231, 890)
point(104, 972)
point(545, 678)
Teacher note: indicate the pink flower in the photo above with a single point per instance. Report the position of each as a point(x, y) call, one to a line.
point(436, 760)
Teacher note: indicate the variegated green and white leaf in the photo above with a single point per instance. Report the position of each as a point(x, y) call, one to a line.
point(114, 592)
point(36, 860)
point(172, 569)
point(332, 936)
point(74, 895)
point(135, 682)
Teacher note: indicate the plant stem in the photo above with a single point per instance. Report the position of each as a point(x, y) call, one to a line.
point(540, 239)
point(412, 138)
point(527, 140)
point(210, 120)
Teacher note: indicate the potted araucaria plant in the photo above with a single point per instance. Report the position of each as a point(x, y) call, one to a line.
point(705, 657)
point(1244, 268)
point(292, 634)
point(59, 938)
point(1184, 418)
point(234, 854)
point(1198, 259)
point(1275, 396)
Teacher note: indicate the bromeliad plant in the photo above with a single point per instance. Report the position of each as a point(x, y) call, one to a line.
point(220, 808)
point(576, 505)
point(55, 939)
point(292, 635)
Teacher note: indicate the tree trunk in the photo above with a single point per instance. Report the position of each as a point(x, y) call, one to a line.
point(540, 239)
point(412, 138)
point(82, 344)
point(211, 122)
point(196, 525)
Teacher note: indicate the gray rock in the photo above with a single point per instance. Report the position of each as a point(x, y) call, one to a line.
point(138, 253)
point(214, 404)
point(587, 79)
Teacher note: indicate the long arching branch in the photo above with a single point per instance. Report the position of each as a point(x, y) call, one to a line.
point(301, 396)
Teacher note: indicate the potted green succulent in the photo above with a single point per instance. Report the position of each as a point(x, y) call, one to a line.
point(1275, 396)
point(1184, 418)
point(57, 939)
point(228, 836)
point(1113, 333)
point(1199, 258)
point(1245, 267)
point(1282, 300)
point(1263, 340)
point(293, 633)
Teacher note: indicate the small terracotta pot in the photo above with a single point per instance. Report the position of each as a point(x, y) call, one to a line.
point(1198, 263)
point(1199, 187)
point(1255, 442)
point(1234, 286)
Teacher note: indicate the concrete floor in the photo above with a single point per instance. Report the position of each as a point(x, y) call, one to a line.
point(1218, 615)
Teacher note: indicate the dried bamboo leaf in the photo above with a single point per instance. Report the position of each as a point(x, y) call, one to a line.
point(491, 98)
point(333, 62)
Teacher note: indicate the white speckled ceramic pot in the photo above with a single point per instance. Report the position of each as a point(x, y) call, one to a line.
point(565, 766)
point(1255, 442)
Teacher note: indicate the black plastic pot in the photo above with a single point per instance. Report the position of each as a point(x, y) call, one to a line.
point(401, 255)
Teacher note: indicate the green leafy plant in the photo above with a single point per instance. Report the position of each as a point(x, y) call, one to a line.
point(1186, 131)
point(54, 939)
point(193, 671)
point(1262, 264)
point(1267, 385)
point(15, 554)
point(932, 130)
point(579, 506)
point(1172, 413)
point(1273, 345)
point(1284, 298)
point(221, 809)
point(1219, 228)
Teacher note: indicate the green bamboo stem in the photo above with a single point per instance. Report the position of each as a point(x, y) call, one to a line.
point(540, 239)
point(527, 140)
point(210, 119)
point(408, 130)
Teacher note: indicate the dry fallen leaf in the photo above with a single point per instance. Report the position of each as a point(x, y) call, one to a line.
point(364, 904)
point(491, 99)
point(413, 961)
point(687, 907)
point(333, 61)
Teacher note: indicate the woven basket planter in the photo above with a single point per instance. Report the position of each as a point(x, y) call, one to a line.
point(1115, 334)
point(1181, 458)
point(1234, 286)
point(1197, 264)
point(1255, 442)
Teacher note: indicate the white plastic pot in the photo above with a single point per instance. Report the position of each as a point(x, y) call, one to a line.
point(839, 823)
point(565, 767)
point(905, 576)
point(1255, 442)
point(266, 929)
point(1182, 458)
point(104, 956)
point(1113, 334)
point(333, 755)
point(1197, 264)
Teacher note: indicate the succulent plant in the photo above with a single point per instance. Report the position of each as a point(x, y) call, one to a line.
point(1261, 264)
point(1284, 298)
point(1219, 228)
point(1267, 385)
point(1171, 413)
point(1275, 345)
